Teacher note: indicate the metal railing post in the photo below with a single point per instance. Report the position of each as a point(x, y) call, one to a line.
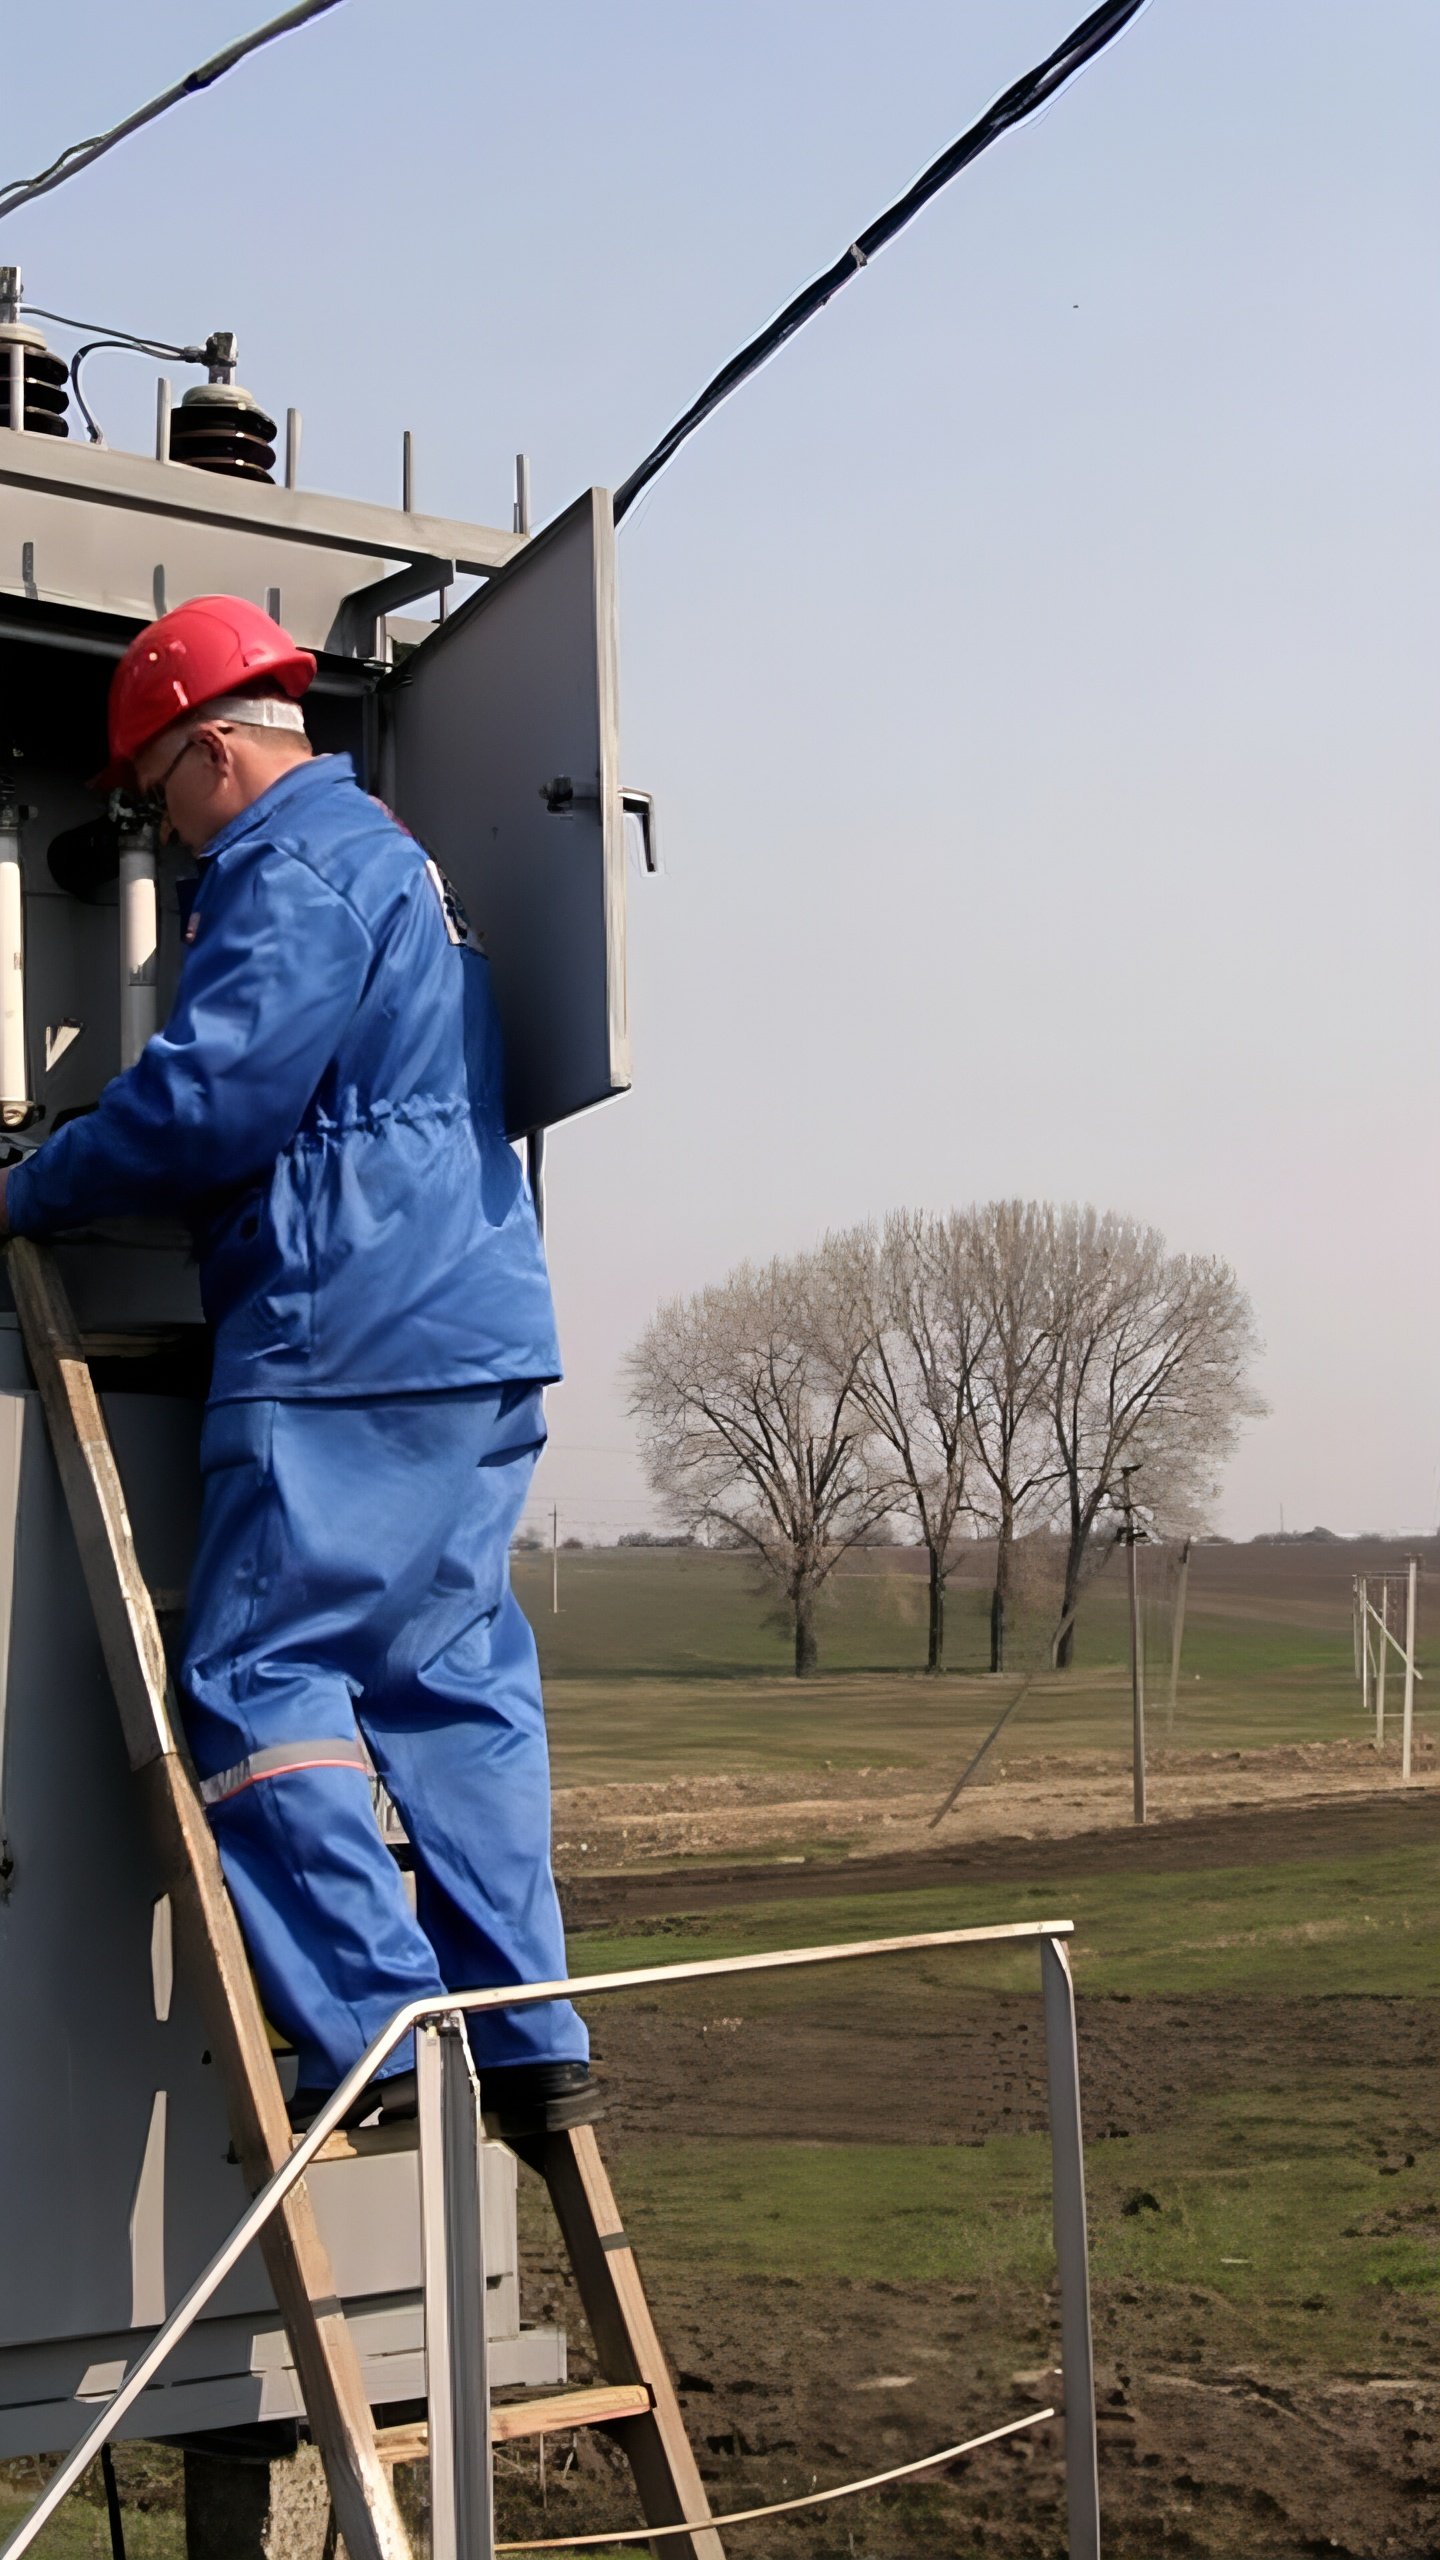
point(1067, 2173)
point(452, 2244)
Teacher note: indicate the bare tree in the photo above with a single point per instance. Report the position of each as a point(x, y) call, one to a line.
point(1151, 1368)
point(899, 1322)
point(1003, 1263)
point(749, 1427)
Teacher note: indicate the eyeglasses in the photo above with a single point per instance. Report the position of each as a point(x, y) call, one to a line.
point(159, 787)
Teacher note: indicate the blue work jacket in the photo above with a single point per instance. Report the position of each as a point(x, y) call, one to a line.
point(324, 1107)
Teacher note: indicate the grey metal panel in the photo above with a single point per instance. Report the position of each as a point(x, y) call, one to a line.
point(109, 2201)
point(124, 562)
point(40, 2415)
point(214, 500)
point(515, 691)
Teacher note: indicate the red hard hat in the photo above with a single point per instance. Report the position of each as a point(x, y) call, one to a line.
point(211, 646)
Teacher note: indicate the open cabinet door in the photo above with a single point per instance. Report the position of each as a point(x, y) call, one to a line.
point(499, 749)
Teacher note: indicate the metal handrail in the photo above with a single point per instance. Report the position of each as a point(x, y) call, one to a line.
point(418, 2013)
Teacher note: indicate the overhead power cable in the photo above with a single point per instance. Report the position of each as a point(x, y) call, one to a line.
point(1022, 100)
point(79, 155)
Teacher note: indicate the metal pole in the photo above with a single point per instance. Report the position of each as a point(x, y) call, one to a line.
point(522, 493)
point(407, 472)
point(162, 419)
point(139, 940)
point(1384, 1651)
point(1067, 2174)
point(1137, 1664)
point(452, 2242)
point(1177, 1636)
point(1407, 1725)
point(293, 426)
point(14, 1067)
point(1364, 1588)
point(554, 1559)
point(17, 386)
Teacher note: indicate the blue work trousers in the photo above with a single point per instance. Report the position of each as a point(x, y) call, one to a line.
point(352, 1571)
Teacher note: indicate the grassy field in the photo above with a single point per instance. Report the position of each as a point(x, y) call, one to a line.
point(1362, 1925)
point(667, 1662)
point(1275, 2222)
point(678, 1613)
point(1265, 2205)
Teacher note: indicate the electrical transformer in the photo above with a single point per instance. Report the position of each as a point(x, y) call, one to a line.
point(489, 726)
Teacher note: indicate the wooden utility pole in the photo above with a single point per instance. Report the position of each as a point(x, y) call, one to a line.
point(1177, 1635)
point(1407, 1725)
point(1384, 1652)
point(1133, 1533)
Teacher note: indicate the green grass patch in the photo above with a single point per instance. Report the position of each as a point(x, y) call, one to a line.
point(683, 1614)
point(80, 2531)
point(1355, 1924)
point(1270, 2210)
point(648, 1730)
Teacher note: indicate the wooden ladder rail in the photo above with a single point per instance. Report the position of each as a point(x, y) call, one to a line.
point(627, 2344)
point(207, 1932)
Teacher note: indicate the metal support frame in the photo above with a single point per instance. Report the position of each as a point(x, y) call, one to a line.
point(452, 2245)
point(448, 2131)
point(212, 500)
point(1375, 1640)
point(326, 2359)
point(1067, 2176)
point(357, 628)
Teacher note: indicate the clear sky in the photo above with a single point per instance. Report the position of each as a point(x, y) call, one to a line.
point(1037, 665)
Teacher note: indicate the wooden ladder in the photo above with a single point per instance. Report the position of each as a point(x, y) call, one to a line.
point(637, 2400)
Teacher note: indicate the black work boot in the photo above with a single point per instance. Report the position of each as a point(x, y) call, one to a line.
point(394, 2097)
point(520, 2100)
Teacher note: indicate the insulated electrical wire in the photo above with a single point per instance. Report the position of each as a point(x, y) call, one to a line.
point(123, 339)
point(79, 155)
point(104, 335)
point(1019, 101)
point(89, 349)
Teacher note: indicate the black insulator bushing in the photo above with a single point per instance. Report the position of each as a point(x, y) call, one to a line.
point(84, 858)
point(223, 435)
point(45, 396)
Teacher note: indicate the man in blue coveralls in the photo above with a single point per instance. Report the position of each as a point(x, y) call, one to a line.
point(324, 1108)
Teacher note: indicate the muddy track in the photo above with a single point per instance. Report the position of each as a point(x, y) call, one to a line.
point(1238, 1836)
point(1207, 2449)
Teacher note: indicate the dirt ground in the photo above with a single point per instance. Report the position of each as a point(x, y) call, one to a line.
point(1209, 2448)
point(1205, 2449)
point(882, 1812)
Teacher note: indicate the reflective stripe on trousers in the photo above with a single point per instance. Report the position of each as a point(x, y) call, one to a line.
point(352, 1570)
point(279, 1761)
